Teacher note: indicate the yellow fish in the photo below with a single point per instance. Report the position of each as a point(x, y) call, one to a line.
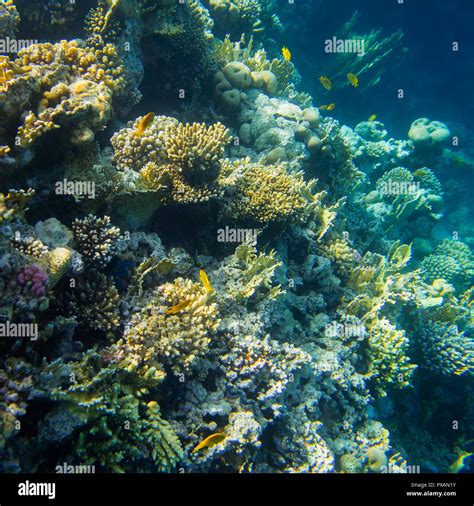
point(286, 53)
point(211, 440)
point(329, 107)
point(144, 123)
point(373, 117)
point(178, 307)
point(352, 78)
point(205, 281)
point(326, 82)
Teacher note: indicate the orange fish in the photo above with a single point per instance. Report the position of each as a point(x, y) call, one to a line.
point(211, 440)
point(144, 123)
point(178, 307)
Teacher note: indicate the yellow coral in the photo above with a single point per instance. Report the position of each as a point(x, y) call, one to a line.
point(341, 254)
point(156, 338)
point(265, 193)
point(197, 149)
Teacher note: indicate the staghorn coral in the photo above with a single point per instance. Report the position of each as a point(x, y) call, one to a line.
point(96, 239)
point(166, 334)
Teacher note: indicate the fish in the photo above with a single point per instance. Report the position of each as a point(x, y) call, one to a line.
point(205, 281)
point(329, 107)
point(373, 117)
point(144, 123)
point(420, 173)
point(178, 307)
point(326, 82)
point(286, 53)
point(353, 79)
point(211, 440)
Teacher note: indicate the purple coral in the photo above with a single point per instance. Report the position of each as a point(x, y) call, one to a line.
point(34, 279)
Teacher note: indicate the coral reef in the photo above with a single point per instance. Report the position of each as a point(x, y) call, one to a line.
point(248, 285)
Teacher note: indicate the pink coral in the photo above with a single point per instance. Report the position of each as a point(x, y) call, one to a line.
point(34, 279)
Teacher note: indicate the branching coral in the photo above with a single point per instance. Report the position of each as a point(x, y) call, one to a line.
point(444, 336)
point(173, 330)
point(119, 431)
point(262, 368)
point(9, 19)
point(93, 301)
point(341, 254)
point(197, 150)
point(67, 85)
point(452, 261)
point(266, 193)
point(96, 239)
point(45, 14)
point(389, 366)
